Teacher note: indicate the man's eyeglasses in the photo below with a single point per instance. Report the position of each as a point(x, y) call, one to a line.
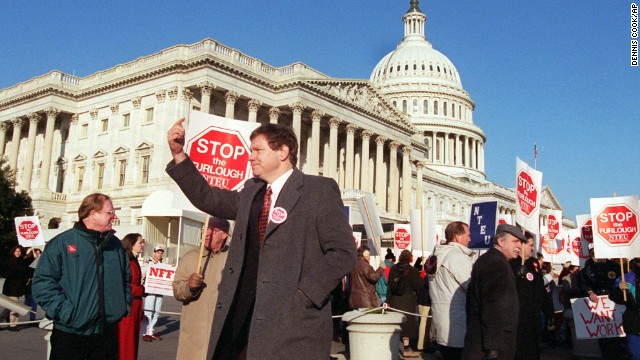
point(110, 213)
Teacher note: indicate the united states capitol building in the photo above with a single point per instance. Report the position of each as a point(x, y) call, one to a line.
point(406, 134)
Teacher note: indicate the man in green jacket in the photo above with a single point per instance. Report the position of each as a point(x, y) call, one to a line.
point(82, 282)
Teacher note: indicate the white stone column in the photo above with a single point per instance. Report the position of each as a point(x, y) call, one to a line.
point(445, 160)
point(457, 146)
point(230, 97)
point(419, 188)
point(394, 187)
point(3, 135)
point(381, 185)
point(334, 122)
point(274, 113)
point(314, 156)
point(364, 159)
point(481, 153)
point(15, 142)
point(206, 89)
point(48, 147)
point(474, 161)
point(253, 106)
point(466, 151)
point(31, 146)
point(406, 180)
point(434, 144)
point(351, 130)
point(297, 108)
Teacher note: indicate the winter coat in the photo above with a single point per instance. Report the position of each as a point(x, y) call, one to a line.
point(631, 315)
point(448, 292)
point(80, 274)
point(492, 305)
point(363, 280)
point(381, 285)
point(408, 278)
point(129, 326)
point(301, 260)
point(197, 310)
point(17, 276)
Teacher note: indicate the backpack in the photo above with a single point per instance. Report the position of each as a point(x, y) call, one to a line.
point(399, 283)
point(431, 265)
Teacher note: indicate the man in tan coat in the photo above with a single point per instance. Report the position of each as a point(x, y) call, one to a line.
point(199, 292)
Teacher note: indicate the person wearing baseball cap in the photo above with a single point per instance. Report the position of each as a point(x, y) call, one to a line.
point(199, 290)
point(492, 299)
point(153, 302)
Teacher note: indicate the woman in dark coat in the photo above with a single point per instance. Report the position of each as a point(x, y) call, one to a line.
point(129, 326)
point(404, 283)
point(15, 283)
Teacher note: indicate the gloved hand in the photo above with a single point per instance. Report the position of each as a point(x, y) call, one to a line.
point(490, 355)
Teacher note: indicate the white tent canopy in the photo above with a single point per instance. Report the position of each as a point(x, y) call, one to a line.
point(159, 225)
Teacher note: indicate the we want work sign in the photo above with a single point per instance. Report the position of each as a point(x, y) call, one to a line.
point(220, 149)
point(602, 319)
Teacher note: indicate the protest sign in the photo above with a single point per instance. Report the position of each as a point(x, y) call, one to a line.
point(220, 149)
point(482, 224)
point(602, 319)
point(357, 238)
point(29, 231)
point(402, 236)
point(577, 252)
point(423, 223)
point(528, 196)
point(371, 221)
point(615, 227)
point(159, 278)
point(504, 219)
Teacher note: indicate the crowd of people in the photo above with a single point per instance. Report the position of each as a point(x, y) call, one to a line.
point(291, 265)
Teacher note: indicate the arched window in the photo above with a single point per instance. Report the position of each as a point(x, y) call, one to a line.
point(404, 106)
point(438, 68)
point(406, 67)
point(444, 108)
point(453, 110)
point(430, 67)
point(460, 112)
point(425, 107)
point(415, 106)
point(435, 108)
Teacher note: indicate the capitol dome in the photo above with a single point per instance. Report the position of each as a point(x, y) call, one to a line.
point(424, 84)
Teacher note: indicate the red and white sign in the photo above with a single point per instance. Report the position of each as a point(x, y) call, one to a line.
point(29, 231)
point(402, 236)
point(504, 219)
point(357, 238)
point(554, 223)
point(159, 278)
point(577, 254)
point(550, 248)
point(528, 195)
point(602, 319)
point(585, 225)
point(220, 149)
point(615, 227)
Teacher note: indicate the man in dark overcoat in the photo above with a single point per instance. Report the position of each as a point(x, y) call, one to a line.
point(274, 292)
point(533, 299)
point(492, 300)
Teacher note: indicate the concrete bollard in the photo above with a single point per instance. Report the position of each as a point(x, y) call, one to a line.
point(374, 336)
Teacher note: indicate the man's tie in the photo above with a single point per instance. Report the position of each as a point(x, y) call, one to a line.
point(264, 214)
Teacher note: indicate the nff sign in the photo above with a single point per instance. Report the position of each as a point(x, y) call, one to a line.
point(617, 224)
point(527, 193)
point(29, 231)
point(221, 156)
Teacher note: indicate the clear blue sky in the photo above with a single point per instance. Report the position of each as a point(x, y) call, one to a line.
point(552, 72)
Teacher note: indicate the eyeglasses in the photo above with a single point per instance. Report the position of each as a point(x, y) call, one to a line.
point(110, 213)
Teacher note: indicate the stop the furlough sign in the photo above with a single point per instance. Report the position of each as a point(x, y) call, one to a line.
point(220, 149)
point(29, 231)
point(615, 227)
